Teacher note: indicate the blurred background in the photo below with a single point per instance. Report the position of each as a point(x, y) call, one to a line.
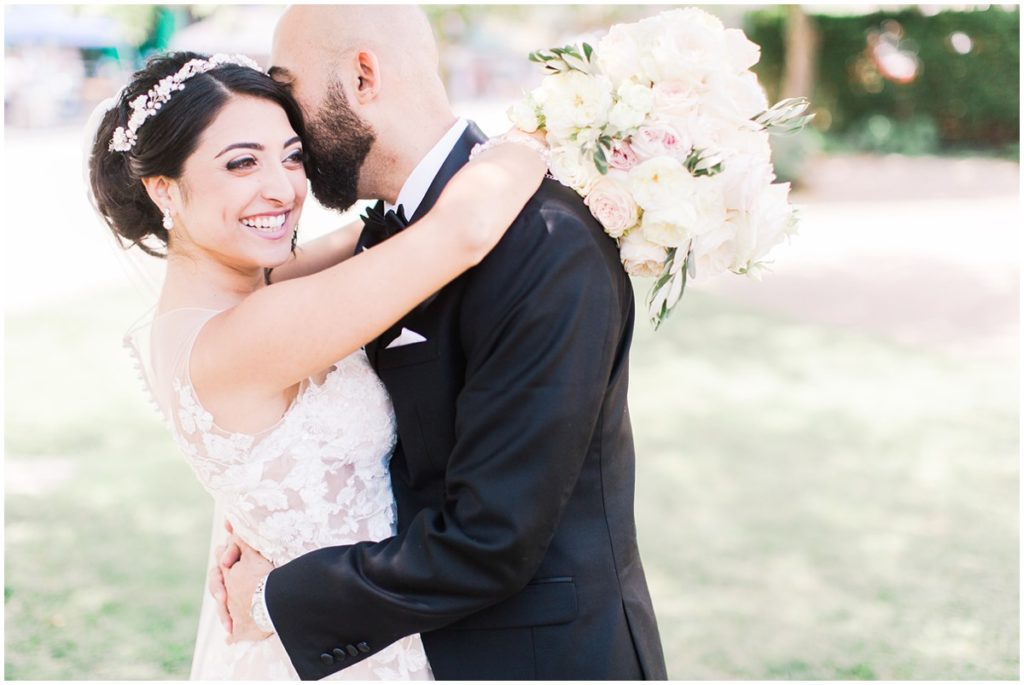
point(827, 460)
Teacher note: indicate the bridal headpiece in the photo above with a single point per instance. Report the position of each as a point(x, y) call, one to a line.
point(147, 105)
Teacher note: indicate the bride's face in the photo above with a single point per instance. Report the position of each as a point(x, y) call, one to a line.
point(242, 190)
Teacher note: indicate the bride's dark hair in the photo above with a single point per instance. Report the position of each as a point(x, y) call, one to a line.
point(166, 140)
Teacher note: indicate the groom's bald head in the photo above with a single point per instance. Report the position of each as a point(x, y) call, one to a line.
point(330, 36)
point(371, 69)
point(334, 30)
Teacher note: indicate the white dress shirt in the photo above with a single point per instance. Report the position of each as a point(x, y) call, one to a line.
point(422, 176)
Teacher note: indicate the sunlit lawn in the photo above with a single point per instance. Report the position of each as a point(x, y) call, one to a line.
point(813, 502)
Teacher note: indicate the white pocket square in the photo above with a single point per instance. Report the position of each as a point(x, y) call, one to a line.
point(406, 338)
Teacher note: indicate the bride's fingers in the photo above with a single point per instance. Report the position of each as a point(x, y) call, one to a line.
point(231, 554)
point(219, 592)
point(215, 583)
point(218, 551)
point(228, 527)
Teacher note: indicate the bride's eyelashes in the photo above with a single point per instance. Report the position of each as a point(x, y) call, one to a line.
point(294, 159)
point(241, 163)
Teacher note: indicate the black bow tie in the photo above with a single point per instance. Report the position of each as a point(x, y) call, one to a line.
point(379, 226)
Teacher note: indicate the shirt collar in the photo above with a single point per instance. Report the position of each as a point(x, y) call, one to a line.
point(422, 176)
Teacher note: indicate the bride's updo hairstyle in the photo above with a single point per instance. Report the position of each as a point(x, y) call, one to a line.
point(165, 140)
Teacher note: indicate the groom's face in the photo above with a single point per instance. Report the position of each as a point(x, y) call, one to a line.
point(337, 141)
point(337, 144)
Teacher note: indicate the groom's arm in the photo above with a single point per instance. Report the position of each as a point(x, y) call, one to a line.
point(541, 321)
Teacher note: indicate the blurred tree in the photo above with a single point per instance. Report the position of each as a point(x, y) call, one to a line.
point(801, 50)
point(906, 81)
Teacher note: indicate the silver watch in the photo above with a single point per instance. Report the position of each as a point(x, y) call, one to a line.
point(258, 608)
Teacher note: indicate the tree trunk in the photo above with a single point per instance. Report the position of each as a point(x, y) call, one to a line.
point(801, 52)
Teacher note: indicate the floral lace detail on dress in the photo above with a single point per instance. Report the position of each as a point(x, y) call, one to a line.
point(317, 478)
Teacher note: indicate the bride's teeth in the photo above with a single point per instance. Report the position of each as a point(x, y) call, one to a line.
point(265, 223)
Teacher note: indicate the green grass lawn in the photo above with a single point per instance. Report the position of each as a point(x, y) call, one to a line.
point(813, 502)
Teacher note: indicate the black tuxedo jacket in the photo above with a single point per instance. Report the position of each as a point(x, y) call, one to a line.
point(516, 554)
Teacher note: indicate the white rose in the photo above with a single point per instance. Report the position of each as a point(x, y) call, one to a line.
point(743, 179)
point(574, 100)
point(523, 115)
point(743, 140)
point(572, 169)
point(660, 140)
point(660, 182)
point(611, 202)
point(618, 52)
point(688, 45)
point(701, 210)
point(674, 99)
point(713, 252)
point(665, 227)
point(734, 98)
point(636, 96)
point(753, 233)
point(773, 219)
point(641, 257)
point(623, 117)
point(742, 53)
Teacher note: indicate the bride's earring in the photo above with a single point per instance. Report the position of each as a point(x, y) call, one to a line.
point(168, 221)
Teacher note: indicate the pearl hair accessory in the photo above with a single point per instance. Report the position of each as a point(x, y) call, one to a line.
point(147, 105)
point(168, 221)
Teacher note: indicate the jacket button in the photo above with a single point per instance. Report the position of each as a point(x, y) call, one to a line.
point(363, 647)
point(352, 650)
point(326, 659)
point(339, 653)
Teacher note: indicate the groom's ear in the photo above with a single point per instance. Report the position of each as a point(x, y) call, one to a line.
point(368, 77)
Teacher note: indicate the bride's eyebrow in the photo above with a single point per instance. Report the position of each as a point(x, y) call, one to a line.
point(292, 141)
point(235, 146)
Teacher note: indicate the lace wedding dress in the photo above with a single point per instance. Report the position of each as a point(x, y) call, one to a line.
point(316, 478)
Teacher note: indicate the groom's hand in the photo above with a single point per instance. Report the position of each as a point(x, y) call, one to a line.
point(241, 580)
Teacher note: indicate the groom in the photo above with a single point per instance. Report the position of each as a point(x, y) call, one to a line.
point(516, 554)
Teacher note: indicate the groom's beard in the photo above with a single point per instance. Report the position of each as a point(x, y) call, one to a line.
point(337, 144)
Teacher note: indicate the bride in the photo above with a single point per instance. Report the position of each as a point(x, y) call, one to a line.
point(265, 387)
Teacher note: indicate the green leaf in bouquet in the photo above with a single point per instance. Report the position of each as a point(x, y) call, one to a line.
point(600, 161)
point(563, 59)
point(668, 288)
point(785, 116)
point(675, 290)
point(588, 51)
point(703, 163)
point(676, 260)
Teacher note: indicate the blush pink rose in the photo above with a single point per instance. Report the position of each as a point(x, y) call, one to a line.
point(623, 156)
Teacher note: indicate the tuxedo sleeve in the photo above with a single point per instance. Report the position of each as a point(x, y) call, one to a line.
point(540, 321)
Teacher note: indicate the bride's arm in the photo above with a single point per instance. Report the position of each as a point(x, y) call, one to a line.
point(322, 253)
point(290, 331)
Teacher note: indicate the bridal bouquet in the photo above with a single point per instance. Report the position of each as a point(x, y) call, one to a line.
point(663, 130)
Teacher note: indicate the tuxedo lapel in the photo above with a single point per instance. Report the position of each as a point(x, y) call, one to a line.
point(456, 159)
